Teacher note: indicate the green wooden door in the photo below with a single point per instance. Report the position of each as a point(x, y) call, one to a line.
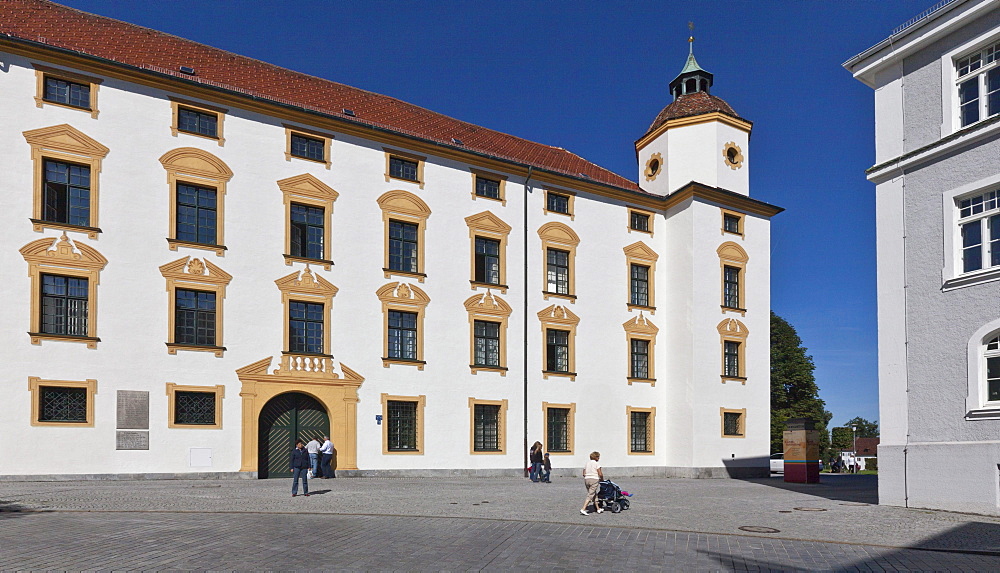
point(284, 419)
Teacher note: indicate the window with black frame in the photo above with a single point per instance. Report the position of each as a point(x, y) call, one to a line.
point(487, 261)
point(196, 214)
point(197, 122)
point(60, 404)
point(731, 224)
point(487, 428)
point(401, 426)
point(557, 350)
point(639, 288)
point(487, 188)
point(64, 307)
point(194, 408)
point(311, 148)
point(403, 247)
point(639, 221)
point(66, 193)
point(731, 359)
point(639, 435)
point(557, 429)
point(557, 203)
point(307, 231)
point(402, 168)
point(194, 317)
point(487, 335)
point(557, 271)
point(640, 358)
point(65, 92)
point(731, 287)
point(305, 327)
point(402, 335)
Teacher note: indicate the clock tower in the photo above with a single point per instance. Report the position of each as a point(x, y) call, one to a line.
point(697, 137)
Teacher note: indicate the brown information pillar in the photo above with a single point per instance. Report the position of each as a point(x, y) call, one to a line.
point(801, 451)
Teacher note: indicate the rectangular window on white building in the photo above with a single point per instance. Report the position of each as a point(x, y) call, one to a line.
point(978, 85)
point(979, 223)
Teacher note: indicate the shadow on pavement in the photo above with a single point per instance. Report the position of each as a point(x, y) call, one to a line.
point(852, 488)
point(942, 552)
point(10, 509)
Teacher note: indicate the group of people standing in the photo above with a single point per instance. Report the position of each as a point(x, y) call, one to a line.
point(311, 460)
point(541, 466)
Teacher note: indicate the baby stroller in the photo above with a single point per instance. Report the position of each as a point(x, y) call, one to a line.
point(610, 496)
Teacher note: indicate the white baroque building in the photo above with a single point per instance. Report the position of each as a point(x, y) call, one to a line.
point(205, 257)
point(937, 122)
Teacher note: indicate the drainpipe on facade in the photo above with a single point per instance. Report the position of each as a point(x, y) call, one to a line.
point(524, 325)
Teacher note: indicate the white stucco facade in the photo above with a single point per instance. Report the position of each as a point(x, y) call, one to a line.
point(145, 159)
point(936, 281)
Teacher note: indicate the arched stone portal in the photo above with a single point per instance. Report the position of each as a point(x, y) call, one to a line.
point(283, 420)
point(313, 376)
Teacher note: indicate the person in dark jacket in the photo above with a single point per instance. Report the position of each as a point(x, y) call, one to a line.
point(300, 469)
point(535, 457)
point(546, 469)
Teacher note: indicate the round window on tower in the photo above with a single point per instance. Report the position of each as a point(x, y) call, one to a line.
point(653, 166)
point(733, 155)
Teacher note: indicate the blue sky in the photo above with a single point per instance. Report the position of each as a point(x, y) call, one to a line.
point(591, 76)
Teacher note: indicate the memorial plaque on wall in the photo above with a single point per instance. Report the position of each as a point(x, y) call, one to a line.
point(133, 410)
point(132, 440)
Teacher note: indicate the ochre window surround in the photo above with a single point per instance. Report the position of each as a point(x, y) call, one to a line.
point(570, 200)
point(650, 430)
point(640, 328)
point(650, 217)
point(501, 179)
point(42, 71)
point(561, 237)
point(641, 254)
point(570, 427)
point(489, 308)
point(501, 426)
point(732, 330)
point(201, 168)
point(307, 287)
point(307, 189)
point(742, 431)
point(220, 392)
point(220, 114)
point(733, 255)
point(325, 137)
point(199, 275)
point(84, 262)
point(64, 143)
point(418, 159)
point(489, 226)
point(406, 207)
point(35, 384)
point(405, 298)
point(420, 402)
point(740, 219)
point(559, 318)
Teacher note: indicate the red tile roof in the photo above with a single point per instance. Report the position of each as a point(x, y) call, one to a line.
point(63, 27)
point(692, 104)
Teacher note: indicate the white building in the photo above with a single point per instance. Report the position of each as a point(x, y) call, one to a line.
point(937, 122)
point(204, 257)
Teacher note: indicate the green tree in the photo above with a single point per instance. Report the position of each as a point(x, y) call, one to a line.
point(865, 428)
point(794, 393)
point(841, 438)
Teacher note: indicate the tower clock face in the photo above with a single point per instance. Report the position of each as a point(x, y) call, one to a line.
point(653, 166)
point(732, 155)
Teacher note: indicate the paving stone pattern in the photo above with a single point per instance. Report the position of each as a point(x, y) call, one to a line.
point(478, 523)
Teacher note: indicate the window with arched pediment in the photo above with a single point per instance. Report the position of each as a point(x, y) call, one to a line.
point(404, 216)
point(197, 182)
point(733, 262)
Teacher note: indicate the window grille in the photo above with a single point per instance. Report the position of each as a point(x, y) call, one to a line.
point(58, 404)
point(401, 426)
point(194, 408)
point(732, 423)
point(639, 441)
point(487, 428)
point(557, 429)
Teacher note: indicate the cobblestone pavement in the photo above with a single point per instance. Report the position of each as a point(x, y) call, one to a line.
point(480, 523)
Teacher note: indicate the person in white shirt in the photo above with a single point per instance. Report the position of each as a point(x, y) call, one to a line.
point(326, 453)
point(313, 448)
point(592, 476)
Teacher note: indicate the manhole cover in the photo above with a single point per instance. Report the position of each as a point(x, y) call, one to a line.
point(808, 509)
point(759, 529)
point(855, 503)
